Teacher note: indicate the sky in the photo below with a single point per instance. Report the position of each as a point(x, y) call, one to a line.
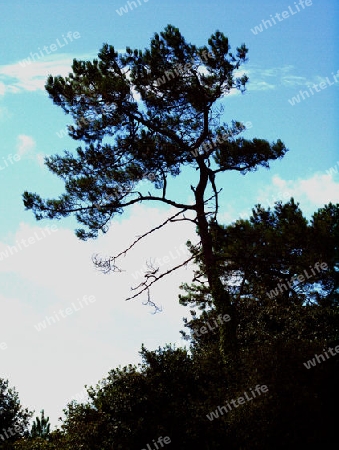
point(292, 95)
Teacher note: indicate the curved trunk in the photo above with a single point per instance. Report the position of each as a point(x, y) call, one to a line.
point(222, 300)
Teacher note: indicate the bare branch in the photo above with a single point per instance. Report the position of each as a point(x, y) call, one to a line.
point(151, 303)
point(106, 264)
point(155, 279)
point(185, 218)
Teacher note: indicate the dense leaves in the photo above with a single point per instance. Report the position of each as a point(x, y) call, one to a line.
point(56, 441)
point(164, 396)
point(14, 418)
point(261, 258)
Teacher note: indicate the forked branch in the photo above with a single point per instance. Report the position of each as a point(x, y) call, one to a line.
point(145, 285)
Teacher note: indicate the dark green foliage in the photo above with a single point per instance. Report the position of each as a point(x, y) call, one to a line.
point(41, 427)
point(166, 396)
point(14, 418)
point(275, 341)
point(171, 392)
point(267, 250)
point(277, 335)
point(56, 441)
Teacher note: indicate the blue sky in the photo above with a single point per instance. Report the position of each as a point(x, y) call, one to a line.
point(54, 270)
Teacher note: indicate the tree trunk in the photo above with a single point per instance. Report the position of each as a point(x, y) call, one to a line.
point(222, 300)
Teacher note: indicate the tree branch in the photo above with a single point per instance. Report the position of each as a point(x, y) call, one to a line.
point(151, 197)
point(106, 265)
point(155, 279)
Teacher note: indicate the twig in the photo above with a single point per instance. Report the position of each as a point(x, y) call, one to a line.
point(147, 286)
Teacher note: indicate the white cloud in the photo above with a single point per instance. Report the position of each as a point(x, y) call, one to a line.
point(311, 193)
point(25, 147)
point(32, 77)
point(25, 144)
point(257, 77)
point(319, 189)
point(261, 86)
point(56, 270)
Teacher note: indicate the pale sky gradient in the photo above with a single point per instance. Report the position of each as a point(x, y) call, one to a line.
point(50, 366)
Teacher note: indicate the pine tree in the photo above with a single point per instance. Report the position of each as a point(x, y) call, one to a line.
point(160, 134)
point(41, 427)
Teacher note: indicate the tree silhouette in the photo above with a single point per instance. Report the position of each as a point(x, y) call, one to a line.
point(174, 125)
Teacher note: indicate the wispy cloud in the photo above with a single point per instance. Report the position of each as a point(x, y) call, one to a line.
point(293, 80)
point(15, 79)
point(261, 79)
point(268, 79)
point(261, 86)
